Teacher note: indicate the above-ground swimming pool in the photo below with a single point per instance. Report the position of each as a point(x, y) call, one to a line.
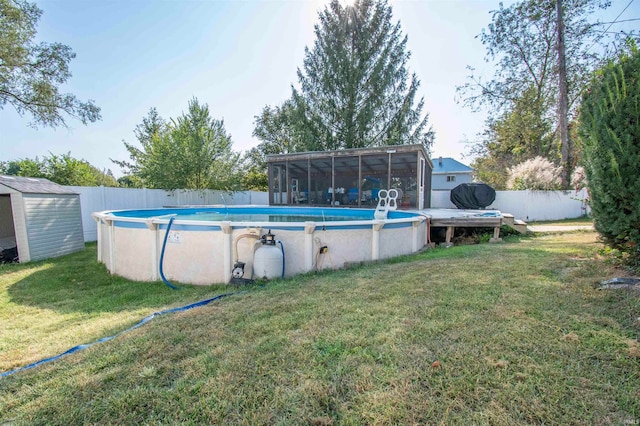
point(204, 245)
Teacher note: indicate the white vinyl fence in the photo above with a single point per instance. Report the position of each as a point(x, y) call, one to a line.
point(525, 205)
point(528, 205)
point(99, 198)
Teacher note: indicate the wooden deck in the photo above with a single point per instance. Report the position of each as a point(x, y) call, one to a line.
point(451, 219)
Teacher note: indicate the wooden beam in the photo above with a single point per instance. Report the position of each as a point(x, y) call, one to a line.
point(449, 235)
point(475, 222)
point(366, 165)
point(295, 166)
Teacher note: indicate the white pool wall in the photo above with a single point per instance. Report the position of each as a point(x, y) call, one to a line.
point(196, 253)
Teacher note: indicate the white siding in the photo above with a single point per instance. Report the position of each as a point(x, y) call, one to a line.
point(439, 181)
point(54, 224)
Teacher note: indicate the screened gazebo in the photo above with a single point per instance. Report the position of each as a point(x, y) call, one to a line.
point(351, 177)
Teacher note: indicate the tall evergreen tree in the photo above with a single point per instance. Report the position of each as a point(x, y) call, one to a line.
point(355, 89)
point(610, 133)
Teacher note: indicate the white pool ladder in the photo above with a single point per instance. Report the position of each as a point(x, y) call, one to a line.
point(387, 200)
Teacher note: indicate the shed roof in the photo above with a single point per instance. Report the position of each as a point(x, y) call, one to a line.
point(29, 185)
point(449, 165)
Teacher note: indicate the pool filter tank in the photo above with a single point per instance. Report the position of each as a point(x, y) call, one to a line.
point(267, 259)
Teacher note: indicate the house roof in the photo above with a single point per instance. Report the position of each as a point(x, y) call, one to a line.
point(29, 185)
point(449, 165)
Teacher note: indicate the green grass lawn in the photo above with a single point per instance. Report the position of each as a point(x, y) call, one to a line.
point(47, 307)
point(580, 221)
point(510, 333)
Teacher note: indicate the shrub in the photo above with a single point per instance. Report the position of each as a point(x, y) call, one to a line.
point(610, 133)
point(579, 178)
point(537, 173)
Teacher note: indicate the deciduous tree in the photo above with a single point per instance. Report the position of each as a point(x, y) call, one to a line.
point(276, 129)
point(192, 151)
point(31, 73)
point(516, 136)
point(522, 41)
point(62, 169)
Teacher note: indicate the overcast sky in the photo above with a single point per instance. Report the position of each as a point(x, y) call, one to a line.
point(236, 56)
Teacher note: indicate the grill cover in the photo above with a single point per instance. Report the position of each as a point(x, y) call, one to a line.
point(472, 196)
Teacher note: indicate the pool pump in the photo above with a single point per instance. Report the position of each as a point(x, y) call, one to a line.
point(238, 270)
point(268, 259)
point(237, 275)
point(267, 262)
point(268, 239)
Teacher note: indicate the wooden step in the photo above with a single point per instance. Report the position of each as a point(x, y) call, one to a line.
point(512, 222)
point(519, 226)
point(507, 219)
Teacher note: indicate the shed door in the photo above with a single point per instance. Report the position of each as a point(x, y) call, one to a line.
point(8, 247)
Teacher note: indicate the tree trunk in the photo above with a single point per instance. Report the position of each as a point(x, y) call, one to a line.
point(563, 109)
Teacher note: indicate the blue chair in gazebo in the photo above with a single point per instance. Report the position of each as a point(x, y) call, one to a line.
point(353, 195)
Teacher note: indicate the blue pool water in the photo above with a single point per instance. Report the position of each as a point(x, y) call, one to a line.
point(261, 214)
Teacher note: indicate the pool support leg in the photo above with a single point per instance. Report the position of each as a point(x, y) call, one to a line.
point(375, 239)
point(227, 247)
point(309, 228)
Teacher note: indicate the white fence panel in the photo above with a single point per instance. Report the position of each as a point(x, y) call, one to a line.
point(209, 197)
point(99, 198)
point(198, 198)
point(528, 205)
point(440, 200)
point(541, 205)
point(258, 198)
point(525, 205)
point(91, 200)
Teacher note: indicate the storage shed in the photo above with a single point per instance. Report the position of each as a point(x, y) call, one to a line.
point(39, 218)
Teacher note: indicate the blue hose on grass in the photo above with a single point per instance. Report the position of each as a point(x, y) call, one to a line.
point(142, 321)
point(164, 245)
point(282, 249)
point(106, 339)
